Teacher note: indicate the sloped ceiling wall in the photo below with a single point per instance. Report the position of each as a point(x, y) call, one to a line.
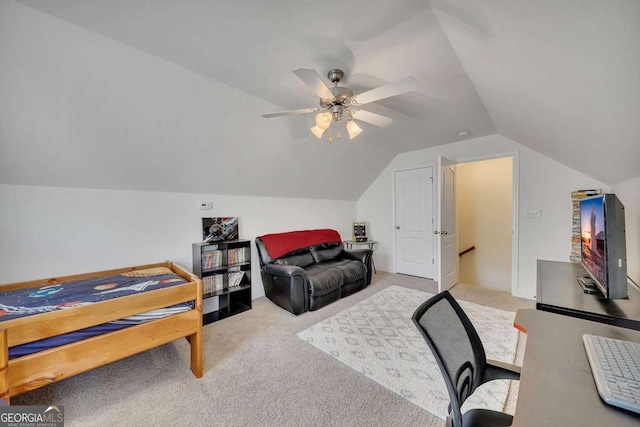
point(167, 96)
point(561, 77)
point(81, 110)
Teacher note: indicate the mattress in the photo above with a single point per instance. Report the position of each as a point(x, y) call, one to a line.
point(30, 301)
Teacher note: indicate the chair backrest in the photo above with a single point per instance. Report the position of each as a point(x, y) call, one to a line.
point(455, 345)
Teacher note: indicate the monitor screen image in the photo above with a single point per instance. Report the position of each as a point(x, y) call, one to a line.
point(603, 244)
point(593, 239)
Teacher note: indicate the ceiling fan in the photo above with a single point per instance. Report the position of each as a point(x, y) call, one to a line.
point(339, 102)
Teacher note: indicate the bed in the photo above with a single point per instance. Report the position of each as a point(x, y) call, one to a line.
point(144, 310)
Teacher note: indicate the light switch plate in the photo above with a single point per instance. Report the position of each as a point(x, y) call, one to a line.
point(205, 205)
point(533, 213)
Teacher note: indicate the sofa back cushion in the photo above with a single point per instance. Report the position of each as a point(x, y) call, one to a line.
point(322, 253)
point(280, 244)
point(301, 260)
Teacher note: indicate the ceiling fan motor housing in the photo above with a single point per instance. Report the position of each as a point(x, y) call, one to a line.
point(342, 95)
point(335, 75)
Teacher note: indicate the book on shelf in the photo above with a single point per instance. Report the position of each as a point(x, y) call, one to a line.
point(219, 285)
point(581, 194)
point(206, 282)
point(235, 278)
point(211, 259)
point(237, 256)
point(213, 283)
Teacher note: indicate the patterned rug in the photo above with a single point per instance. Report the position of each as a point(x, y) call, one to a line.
point(377, 338)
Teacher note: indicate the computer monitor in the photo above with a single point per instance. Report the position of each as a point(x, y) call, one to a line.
point(603, 244)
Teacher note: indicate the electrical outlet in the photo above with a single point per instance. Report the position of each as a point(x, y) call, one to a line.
point(533, 213)
point(205, 205)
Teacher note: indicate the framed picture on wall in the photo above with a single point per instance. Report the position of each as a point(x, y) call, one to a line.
point(217, 229)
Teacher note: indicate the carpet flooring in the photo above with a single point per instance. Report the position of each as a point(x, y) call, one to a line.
point(257, 372)
point(377, 338)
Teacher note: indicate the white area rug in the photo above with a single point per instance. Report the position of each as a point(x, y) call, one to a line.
point(377, 338)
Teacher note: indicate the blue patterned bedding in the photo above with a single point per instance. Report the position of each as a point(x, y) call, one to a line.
point(28, 301)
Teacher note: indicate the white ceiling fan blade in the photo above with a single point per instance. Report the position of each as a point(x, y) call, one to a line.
point(386, 91)
point(373, 118)
point(291, 112)
point(315, 83)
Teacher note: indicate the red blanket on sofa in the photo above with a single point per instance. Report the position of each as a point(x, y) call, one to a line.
point(282, 243)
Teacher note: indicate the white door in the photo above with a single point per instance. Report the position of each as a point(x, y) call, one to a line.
point(446, 225)
point(414, 222)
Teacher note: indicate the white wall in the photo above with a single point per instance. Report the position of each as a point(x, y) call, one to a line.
point(629, 194)
point(484, 209)
point(543, 184)
point(52, 231)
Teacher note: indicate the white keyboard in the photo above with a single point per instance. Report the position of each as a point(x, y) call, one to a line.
point(615, 365)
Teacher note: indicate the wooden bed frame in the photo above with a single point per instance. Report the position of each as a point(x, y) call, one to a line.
point(45, 367)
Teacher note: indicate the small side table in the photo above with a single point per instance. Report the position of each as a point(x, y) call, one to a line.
point(370, 243)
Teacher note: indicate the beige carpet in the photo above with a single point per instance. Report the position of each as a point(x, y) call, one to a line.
point(256, 373)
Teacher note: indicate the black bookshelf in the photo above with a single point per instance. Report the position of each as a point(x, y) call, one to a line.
point(225, 269)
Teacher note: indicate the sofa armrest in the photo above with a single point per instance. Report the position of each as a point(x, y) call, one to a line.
point(362, 255)
point(286, 286)
point(283, 270)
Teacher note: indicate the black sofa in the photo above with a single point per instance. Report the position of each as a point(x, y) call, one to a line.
point(306, 270)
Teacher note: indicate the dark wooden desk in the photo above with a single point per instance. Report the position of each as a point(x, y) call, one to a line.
point(556, 384)
point(559, 292)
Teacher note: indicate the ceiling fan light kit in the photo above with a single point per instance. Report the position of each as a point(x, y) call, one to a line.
point(353, 129)
point(317, 131)
point(338, 102)
point(323, 120)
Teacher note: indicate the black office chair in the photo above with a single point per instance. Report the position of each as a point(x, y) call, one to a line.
point(458, 350)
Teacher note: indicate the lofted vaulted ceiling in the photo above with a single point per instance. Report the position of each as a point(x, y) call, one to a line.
point(167, 96)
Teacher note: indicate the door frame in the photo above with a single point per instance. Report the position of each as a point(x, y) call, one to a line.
point(515, 232)
point(393, 213)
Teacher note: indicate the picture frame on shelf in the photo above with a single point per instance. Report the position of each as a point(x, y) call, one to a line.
point(359, 231)
point(218, 229)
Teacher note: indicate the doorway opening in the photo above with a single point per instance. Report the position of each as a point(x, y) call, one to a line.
point(486, 214)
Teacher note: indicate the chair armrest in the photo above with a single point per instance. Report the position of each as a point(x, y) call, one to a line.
point(497, 370)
